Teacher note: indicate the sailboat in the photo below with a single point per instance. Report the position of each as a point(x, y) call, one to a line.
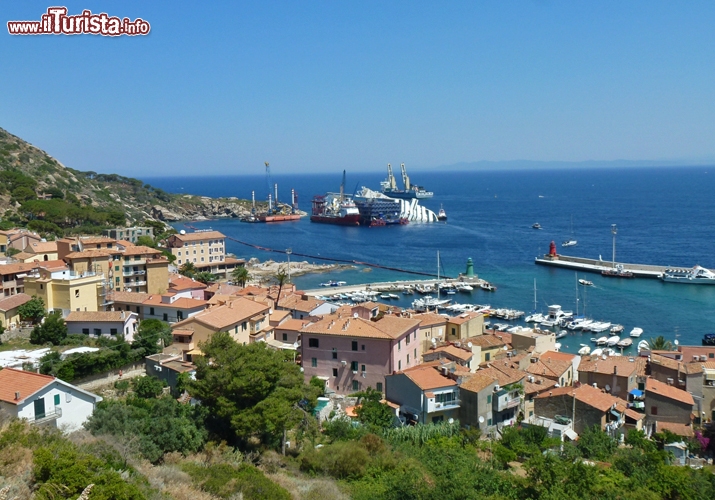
point(571, 242)
point(424, 304)
point(534, 317)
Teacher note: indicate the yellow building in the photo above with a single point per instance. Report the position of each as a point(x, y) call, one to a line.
point(468, 324)
point(66, 291)
point(9, 316)
point(42, 250)
point(198, 248)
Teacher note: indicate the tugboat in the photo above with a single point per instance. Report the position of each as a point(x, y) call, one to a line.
point(441, 215)
point(536, 226)
point(617, 272)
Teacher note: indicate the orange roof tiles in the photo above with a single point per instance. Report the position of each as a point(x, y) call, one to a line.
point(178, 283)
point(97, 316)
point(20, 267)
point(293, 325)
point(625, 367)
point(26, 383)
point(486, 341)
point(346, 327)
point(128, 297)
point(504, 374)
point(13, 301)
point(464, 318)
point(140, 250)
point(586, 394)
point(453, 351)
point(93, 240)
point(224, 316)
point(180, 303)
point(549, 368)
point(395, 326)
point(654, 386)
point(476, 382)
point(539, 385)
point(303, 303)
point(205, 235)
point(43, 246)
point(428, 377)
point(91, 254)
point(430, 319)
point(677, 429)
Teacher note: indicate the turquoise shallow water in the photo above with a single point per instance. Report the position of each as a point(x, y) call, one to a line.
point(664, 216)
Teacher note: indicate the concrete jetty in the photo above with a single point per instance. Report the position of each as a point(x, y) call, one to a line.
point(388, 286)
point(597, 266)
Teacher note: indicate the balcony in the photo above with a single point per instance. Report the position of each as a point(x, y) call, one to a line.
point(506, 403)
point(139, 272)
point(47, 416)
point(139, 262)
point(433, 406)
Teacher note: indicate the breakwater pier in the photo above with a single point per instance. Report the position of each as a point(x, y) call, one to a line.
point(597, 266)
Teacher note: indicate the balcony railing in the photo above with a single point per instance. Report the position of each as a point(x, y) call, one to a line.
point(47, 416)
point(139, 272)
point(505, 404)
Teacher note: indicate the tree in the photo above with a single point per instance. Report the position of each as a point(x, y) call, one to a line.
point(146, 241)
point(188, 269)
point(659, 343)
point(372, 412)
point(249, 390)
point(280, 279)
point(148, 387)
point(240, 275)
point(12, 251)
point(148, 335)
point(32, 310)
point(204, 277)
point(53, 329)
point(596, 444)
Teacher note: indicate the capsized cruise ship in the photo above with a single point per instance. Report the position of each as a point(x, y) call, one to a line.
point(370, 202)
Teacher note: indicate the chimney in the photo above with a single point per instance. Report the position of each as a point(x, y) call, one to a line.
point(122, 315)
point(615, 370)
point(17, 395)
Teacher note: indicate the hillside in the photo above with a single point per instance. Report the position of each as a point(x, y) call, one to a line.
point(39, 192)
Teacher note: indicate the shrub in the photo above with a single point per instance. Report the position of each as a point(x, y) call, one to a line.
point(148, 386)
point(224, 481)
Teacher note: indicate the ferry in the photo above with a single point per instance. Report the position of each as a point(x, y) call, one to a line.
point(695, 276)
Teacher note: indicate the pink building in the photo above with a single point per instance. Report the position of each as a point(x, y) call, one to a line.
point(351, 353)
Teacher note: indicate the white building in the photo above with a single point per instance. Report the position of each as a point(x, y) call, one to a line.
point(98, 323)
point(43, 399)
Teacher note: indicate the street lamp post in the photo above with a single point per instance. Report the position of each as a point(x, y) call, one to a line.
point(288, 252)
point(614, 231)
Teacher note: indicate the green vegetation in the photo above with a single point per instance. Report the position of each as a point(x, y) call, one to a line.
point(250, 391)
point(148, 387)
point(152, 336)
point(53, 330)
point(240, 275)
point(230, 481)
point(32, 310)
point(205, 277)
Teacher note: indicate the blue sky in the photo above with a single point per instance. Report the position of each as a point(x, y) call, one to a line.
point(221, 87)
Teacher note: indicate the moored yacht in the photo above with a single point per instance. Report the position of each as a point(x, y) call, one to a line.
point(636, 332)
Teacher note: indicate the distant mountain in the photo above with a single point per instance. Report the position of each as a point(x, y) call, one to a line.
point(549, 165)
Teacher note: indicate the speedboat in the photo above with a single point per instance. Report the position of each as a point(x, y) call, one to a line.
point(464, 287)
point(602, 341)
point(393, 296)
point(585, 282)
point(616, 329)
point(535, 318)
point(636, 332)
point(625, 342)
point(569, 243)
point(585, 325)
point(488, 287)
point(585, 350)
point(600, 327)
point(613, 340)
point(536, 226)
point(561, 334)
point(594, 339)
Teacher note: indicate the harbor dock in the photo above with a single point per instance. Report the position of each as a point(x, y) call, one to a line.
point(597, 266)
point(388, 286)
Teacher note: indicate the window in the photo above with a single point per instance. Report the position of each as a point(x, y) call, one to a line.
point(85, 331)
point(408, 359)
point(335, 372)
point(653, 410)
point(335, 353)
point(356, 385)
point(407, 340)
point(113, 331)
point(98, 331)
point(244, 325)
point(362, 368)
point(116, 268)
point(76, 294)
point(378, 387)
point(355, 344)
point(151, 311)
point(489, 421)
point(179, 315)
point(363, 347)
point(285, 337)
point(166, 317)
point(57, 399)
point(354, 366)
point(711, 355)
point(414, 337)
point(314, 362)
point(399, 365)
point(487, 356)
point(415, 353)
point(489, 400)
point(399, 345)
point(313, 343)
point(454, 332)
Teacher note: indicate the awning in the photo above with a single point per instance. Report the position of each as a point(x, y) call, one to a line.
point(195, 352)
point(21, 275)
point(709, 375)
point(636, 392)
point(615, 414)
point(571, 434)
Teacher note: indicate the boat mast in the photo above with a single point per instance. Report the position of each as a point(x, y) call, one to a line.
point(534, 294)
point(342, 188)
point(614, 231)
point(437, 274)
point(576, 277)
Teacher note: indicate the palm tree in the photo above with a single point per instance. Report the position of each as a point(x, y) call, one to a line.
point(280, 278)
point(660, 344)
point(188, 269)
point(240, 275)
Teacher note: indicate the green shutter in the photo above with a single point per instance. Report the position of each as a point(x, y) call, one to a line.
point(57, 399)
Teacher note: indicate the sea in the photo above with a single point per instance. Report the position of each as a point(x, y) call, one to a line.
point(664, 216)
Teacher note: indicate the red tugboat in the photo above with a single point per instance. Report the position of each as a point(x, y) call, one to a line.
point(330, 209)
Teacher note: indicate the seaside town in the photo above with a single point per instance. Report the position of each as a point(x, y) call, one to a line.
point(174, 308)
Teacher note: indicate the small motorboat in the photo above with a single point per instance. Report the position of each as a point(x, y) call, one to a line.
point(569, 243)
point(625, 343)
point(602, 341)
point(464, 287)
point(597, 352)
point(585, 350)
point(385, 296)
point(393, 296)
point(594, 340)
point(636, 332)
point(488, 287)
point(536, 226)
point(613, 340)
point(643, 345)
point(534, 318)
point(561, 334)
point(441, 215)
point(585, 282)
point(616, 329)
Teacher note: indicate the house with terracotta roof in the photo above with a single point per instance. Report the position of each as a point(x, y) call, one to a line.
point(9, 315)
point(126, 301)
point(432, 326)
point(140, 269)
point(102, 323)
point(13, 277)
point(533, 386)
point(303, 306)
point(130, 234)
point(476, 393)
point(183, 286)
point(46, 400)
point(64, 290)
point(199, 247)
point(585, 405)
point(351, 353)
point(507, 401)
point(171, 307)
point(463, 354)
point(667, 403)
point(18, 239)
point(287, 334)
point(490, 346)
point(558, 370)
point(242, 318)
point(465, 325)
point(425, 393)
point(43, 250)
point(618, 375)
point(367, 310)
point(168, 367)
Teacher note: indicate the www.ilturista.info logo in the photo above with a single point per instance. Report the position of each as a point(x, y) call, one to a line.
point(57, 22)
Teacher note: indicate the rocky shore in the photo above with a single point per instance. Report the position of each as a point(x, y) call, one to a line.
point(205, 208)
point(261, 270)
